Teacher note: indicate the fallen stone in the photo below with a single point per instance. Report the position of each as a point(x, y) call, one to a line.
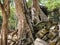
point(39, 41)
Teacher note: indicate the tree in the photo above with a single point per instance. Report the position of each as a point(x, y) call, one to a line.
point(38, 11)
point(22, 23)
point(49, 3)
point(5, 7)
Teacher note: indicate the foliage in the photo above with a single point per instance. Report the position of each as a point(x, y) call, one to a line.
point(2, 1)
point(12, 19)
point(0, 21)
point(29, 3)
point(12, 3)
point(51, 4)
point(0, 18)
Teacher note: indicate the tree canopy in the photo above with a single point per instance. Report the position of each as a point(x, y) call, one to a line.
point(51, 4)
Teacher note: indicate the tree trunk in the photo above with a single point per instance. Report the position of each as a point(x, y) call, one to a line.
point(22, 23)
point(5, 15)
point(36, 11)
point(28, 15)
point(39, 12)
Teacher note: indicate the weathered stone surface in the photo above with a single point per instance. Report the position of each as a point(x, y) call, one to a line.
point(41, 33)
point(54, 41)
point(38, 41)
point(51, 36)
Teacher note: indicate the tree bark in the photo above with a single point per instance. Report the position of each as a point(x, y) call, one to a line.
point(28, 15)
point(22, 23)
point(36, 11)
point(5, 15)
point(39, 12)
